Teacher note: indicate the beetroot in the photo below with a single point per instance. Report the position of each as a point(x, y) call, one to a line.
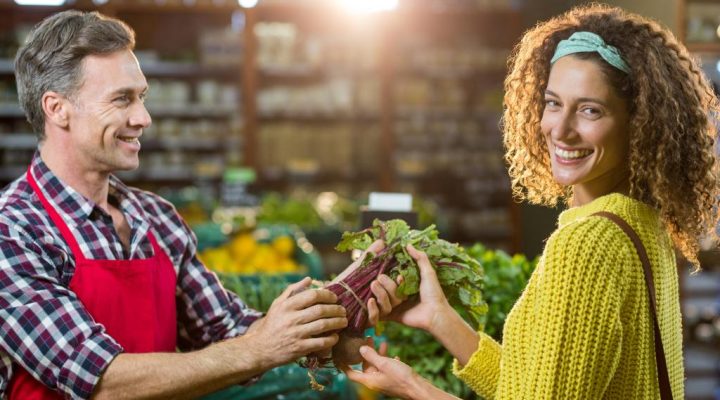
point(459, 274)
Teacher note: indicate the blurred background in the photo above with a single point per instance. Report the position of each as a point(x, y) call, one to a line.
point(274, 119)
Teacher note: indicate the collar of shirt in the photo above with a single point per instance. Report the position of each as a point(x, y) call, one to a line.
point(76, 209)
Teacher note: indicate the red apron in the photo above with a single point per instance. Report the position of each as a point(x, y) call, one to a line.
point(133, 299)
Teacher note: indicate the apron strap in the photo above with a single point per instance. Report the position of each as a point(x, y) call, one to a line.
point(56, 218)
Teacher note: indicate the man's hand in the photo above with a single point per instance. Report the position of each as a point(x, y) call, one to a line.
point(297, 324)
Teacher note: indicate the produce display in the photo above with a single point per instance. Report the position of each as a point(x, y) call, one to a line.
point(505, 278)
point(245, 254)
point(288, 382)
point(260, 259)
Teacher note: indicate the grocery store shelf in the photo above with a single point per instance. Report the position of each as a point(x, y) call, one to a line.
point(6, 66)
point(158, 69)
point(28, 141)
point(317, 116)
point(404, 112)
point(700, 361)
point(207, 144)
point(296, 71)
point(193, 111)
point(270, 174)
point(474, 73)
point(10, 173)
point(710, 259)
point(22, 141)
point(187, 70)
point(219, 7)
point(11, 110)
point(699, 47)
point(176, 111)
point(165, 174)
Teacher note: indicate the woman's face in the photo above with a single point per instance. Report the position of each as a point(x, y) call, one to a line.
point(585, 124)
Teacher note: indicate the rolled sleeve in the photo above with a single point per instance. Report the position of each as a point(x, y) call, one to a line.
point(483, 369)
point(83, 369)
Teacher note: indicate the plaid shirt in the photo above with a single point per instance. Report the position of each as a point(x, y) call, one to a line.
point(43, 325)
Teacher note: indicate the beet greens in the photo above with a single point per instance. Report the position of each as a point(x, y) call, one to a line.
point(459, 274)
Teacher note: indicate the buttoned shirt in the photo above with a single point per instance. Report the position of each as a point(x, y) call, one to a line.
point(44, 328)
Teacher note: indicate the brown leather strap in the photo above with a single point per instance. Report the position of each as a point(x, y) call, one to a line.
point(663, 377)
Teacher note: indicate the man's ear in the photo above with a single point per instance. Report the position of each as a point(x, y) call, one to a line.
point(56, 108)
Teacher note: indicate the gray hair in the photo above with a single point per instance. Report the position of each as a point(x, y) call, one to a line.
point(51, 57)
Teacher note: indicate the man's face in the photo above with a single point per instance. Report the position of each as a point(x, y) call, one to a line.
point(108, 114)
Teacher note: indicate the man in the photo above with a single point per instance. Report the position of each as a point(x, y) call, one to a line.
point(99, 282)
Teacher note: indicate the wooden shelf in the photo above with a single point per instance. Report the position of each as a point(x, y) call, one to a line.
point(192, 111)
point(159, 69)
point(11, 111)
point(178, 174)
point(10, 173)
point(317, 117)
point(190, 144)
point(186, 70)
point(454, 73)
point(388, 36)
point(710, 259)
point(698, 47)
point(6, 66)
point(140, 6)
point(20, 141)
point(314, 177)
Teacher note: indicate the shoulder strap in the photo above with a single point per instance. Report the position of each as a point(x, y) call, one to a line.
point(663, 377)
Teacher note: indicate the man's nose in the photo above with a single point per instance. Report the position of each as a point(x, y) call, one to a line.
point(140, 117)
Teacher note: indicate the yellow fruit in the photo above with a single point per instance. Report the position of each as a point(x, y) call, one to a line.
point(263, 259)
point(287, 265)
point(284, 245)
point(218, 259)
point(243, 246)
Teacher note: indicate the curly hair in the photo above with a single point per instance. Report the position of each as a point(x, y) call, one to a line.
point(672, 161)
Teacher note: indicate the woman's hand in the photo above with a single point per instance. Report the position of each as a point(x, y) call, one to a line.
point(393, 377)
point(386, 298)
point(387, 375)
point(426, 311)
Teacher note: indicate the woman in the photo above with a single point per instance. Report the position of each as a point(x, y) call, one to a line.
point(606, 111)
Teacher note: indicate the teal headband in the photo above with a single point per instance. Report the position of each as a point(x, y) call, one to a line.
point(587, 42)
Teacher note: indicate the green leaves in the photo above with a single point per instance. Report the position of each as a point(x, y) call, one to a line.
point(505, 278)
point(354, 240)
point(459, 274)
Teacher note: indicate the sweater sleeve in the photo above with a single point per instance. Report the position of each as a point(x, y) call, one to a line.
point(566, 339)
point(483, 369)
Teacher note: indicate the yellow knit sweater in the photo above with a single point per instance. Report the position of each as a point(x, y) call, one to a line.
point(582, 328)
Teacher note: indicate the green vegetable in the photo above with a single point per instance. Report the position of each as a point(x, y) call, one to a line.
point(257, 291)
point(459, 274)
point(505, 278)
